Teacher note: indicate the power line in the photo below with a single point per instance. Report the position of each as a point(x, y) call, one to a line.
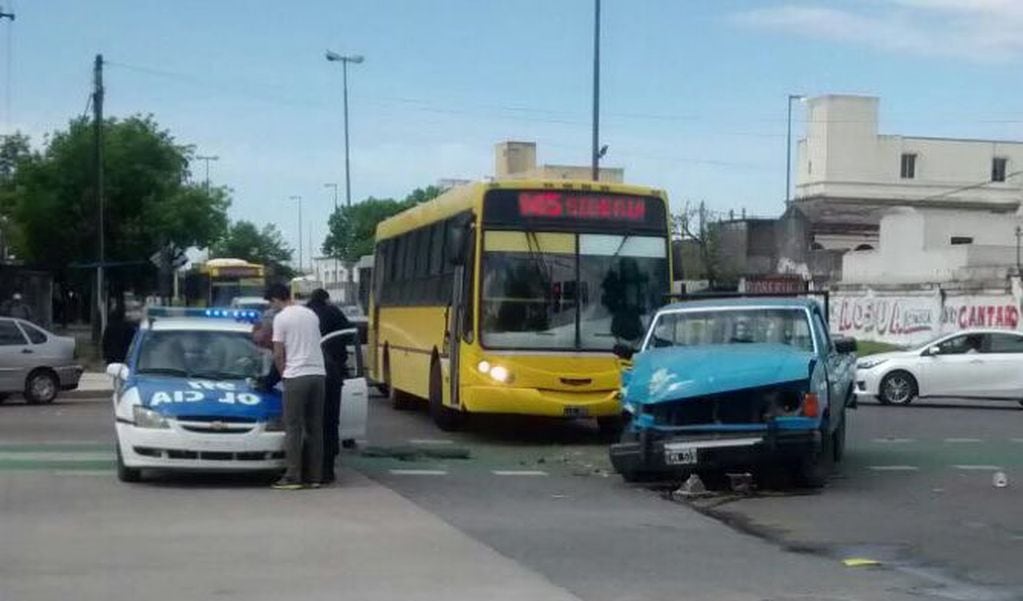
point(976, 186)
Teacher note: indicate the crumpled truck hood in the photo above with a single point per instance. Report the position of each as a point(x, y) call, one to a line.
point(676, 373)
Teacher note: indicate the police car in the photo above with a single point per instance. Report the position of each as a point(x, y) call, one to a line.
point(186, 397)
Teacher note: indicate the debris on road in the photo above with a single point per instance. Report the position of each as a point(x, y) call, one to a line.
point(741, 483)
point(860, 562)
point(413, 453)
point(1000, 480)
point(692, 487)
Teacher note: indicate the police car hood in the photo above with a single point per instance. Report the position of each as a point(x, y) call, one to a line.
point(176, 397)
point(669, 374)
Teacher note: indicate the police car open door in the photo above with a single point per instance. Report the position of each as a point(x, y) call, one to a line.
point(354, 392)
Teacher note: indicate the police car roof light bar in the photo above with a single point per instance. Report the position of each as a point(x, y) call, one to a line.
point(246, 315)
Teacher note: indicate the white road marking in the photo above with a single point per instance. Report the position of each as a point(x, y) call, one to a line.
point(984, 468)
point(430, 441)
point(894, 468)
point(1016, 439)
point(58, 456)
point(519, 473)
point(962, 440)
point(893, 440)
point(419, 472)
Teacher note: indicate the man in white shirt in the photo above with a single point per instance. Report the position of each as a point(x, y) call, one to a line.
point(299, 358)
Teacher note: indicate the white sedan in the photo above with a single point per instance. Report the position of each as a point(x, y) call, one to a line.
point(979, 364)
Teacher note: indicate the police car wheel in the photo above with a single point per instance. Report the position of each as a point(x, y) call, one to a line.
point(41, 387)
point(125, 473)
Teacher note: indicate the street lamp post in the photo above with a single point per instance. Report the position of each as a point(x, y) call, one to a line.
point(788, 150)
point(355, 59)
point(207, 159)
point(595, 150)
point(299, 199)
point(337, 278)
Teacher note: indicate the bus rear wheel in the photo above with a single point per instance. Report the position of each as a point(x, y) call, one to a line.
point(447, 419)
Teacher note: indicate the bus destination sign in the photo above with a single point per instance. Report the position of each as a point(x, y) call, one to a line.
point(553, 205)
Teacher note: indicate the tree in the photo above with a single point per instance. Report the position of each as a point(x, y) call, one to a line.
point(14, 152)
point(149, 201)
point(353, 229)
point(693, 226)
point(243, 240)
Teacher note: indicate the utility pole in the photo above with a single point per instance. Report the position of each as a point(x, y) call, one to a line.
point(595, 155)
point(97, 115)
point(788, 151)
point(7, 84)
point(1019, 234)
point(299, 199)
point(207, 159)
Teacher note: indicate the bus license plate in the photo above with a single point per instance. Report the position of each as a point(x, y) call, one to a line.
point(683, 456)
point(576, 412)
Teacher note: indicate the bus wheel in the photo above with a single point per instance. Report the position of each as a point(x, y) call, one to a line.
point(399, 400)
point(447, 419)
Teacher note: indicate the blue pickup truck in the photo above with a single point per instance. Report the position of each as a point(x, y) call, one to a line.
point(734, 384)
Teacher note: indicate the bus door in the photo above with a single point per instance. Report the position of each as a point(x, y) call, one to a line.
point(461, 250)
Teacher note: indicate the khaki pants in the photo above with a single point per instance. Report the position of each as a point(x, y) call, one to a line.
point(303, 427)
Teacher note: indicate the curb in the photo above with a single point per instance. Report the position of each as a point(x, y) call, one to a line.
point(85, 394)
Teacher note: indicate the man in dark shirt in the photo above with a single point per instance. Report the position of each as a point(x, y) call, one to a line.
point(117, 337)
point(335, 355)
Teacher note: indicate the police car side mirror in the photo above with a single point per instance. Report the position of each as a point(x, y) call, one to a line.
point(117, 371)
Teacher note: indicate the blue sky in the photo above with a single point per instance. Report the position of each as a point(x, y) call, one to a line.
point(693, 91)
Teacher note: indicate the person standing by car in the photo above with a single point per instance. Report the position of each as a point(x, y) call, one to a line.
point(117, 337)
point(335, 355)
point(297, 354)
point(17, 308)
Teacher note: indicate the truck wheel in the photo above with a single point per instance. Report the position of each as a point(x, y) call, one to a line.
point(838, 440)
point(41, 387)
point(811, 471)
point(447, 419)
point(125, 473)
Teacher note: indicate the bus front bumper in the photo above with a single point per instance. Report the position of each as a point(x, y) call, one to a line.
point(546, 403)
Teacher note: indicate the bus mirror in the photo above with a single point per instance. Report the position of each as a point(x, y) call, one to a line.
point(457, 235)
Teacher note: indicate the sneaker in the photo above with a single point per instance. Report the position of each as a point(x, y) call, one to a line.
point(314, 485)
point(286, 484)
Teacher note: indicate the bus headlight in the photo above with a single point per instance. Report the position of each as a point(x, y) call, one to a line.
point(500, 374)
point(484, 367)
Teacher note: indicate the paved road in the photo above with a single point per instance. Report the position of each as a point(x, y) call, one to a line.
point(534, 505)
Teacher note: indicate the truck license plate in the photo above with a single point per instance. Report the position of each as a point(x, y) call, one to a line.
point(684, 456)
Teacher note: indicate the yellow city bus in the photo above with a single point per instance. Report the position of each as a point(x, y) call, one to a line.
point(219, 281)
point(508, 297)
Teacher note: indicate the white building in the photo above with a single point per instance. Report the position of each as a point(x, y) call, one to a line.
point(936, 246)
point(333, 274)
point(848, 175)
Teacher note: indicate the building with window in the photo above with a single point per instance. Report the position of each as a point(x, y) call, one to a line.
point(936, 246)
point(517, 160)
point(848, 174)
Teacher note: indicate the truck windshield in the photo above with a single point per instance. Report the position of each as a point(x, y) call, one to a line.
point(732, 326)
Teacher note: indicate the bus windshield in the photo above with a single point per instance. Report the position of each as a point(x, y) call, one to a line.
point(562, 291)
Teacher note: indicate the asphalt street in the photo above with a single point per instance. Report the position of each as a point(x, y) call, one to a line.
point(534, 505)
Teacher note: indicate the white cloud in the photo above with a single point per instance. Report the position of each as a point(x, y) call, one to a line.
point(979, 30)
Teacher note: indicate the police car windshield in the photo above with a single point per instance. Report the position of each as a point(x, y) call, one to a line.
point(201, 354)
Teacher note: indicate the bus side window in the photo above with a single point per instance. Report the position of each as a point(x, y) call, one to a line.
point(469, 297)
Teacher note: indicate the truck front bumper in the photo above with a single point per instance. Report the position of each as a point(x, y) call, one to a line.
point(656, 453)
